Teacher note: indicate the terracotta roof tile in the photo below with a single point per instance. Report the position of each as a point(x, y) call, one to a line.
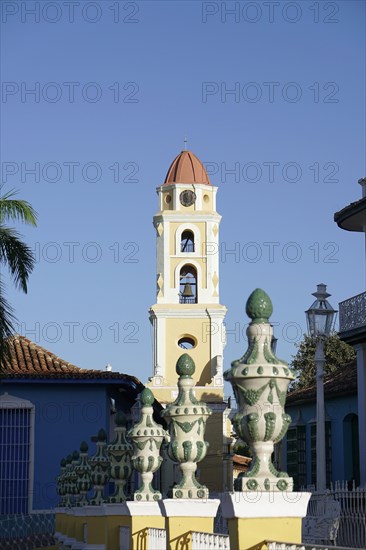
point(29, 360)
point(341, 382)
point(186, 168)
point(241, 463)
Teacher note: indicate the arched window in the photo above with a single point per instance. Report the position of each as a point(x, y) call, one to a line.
point(187, 342)
point(188, 285)
point(187, 241)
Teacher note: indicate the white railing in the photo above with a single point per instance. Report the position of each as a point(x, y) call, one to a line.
point(156, 539)
point(124, 538)
point(208, 541)
point(321, 523)
point(271, 545)
point(352, 519)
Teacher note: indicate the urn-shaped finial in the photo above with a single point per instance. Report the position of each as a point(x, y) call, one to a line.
point(73, 476)
point(99, 464)
point(61, 491)
point(119, 452)
point(147, 437)
point(83, 471)
point(68, 481)
point(187, 418)
point(260, 381)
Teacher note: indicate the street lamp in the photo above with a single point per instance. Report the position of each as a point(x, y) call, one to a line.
point(320, 318)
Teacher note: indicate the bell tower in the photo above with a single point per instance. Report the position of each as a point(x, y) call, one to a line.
point(187, 316)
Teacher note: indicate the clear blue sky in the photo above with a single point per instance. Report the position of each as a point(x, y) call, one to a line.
point(141, 77)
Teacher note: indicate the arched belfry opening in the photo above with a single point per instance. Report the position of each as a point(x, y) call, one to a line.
point(187, 241)
point(188, 285)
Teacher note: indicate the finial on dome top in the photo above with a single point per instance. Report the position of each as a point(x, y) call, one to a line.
point(185, 143)
point(259, 306)
point(185, 365)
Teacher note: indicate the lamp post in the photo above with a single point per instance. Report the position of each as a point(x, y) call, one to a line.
point(320, 318)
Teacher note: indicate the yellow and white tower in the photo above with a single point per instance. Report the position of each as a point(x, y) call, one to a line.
point(187, 316)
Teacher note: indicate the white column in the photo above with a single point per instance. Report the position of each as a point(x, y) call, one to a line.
point(361, 394)
point(320, 418)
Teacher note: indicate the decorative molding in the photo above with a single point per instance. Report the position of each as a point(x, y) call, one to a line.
point(188, 507)
point(263, 504)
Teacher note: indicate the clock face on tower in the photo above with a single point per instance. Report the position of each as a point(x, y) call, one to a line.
point(187, 198)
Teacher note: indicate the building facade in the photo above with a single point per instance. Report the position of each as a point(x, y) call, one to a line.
point(352, 320)
point(341, 431)
point(47, 407)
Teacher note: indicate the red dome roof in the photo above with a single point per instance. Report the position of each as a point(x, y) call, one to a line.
point(186, 168)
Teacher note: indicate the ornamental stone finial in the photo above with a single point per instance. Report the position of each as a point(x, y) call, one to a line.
point(83, 471)
point(260, 381)
point(61, 483)
point(73, 477)
point(147, 437)
point(99, 464)
point(187, 418)
point(67, 481)
point(119, 452)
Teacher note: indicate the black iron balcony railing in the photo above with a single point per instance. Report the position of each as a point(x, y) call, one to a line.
point(352, 313)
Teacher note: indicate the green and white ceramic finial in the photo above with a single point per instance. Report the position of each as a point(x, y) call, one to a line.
point(99, 464)
point(119, 452)
point(187, 418)
point(83, 471)
point(260, 381)
point(147, 437)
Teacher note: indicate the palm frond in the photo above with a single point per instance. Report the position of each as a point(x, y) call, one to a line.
point(7, 330)
point(16, 210)
point(17, 256)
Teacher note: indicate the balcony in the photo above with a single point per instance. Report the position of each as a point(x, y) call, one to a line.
point(352, 319)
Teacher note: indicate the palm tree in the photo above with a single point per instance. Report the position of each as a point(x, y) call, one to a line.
point(16, 255)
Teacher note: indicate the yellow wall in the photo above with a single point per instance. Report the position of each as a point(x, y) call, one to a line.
point(177, 328)
point(179, 528)
point(207, 206)
point(164, 394)
point(174, 226)
point(138, 526)
point(211, 468)
point(96, 529)
point(250, 533)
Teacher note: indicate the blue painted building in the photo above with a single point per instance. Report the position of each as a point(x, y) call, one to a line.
point(341, 430)
point(47, 407)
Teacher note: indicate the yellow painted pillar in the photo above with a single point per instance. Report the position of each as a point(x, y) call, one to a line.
point(137, 516)
point(80, 521)
point(60, 516)
point(94, 517)
point(255, 517)
point(186, 515)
